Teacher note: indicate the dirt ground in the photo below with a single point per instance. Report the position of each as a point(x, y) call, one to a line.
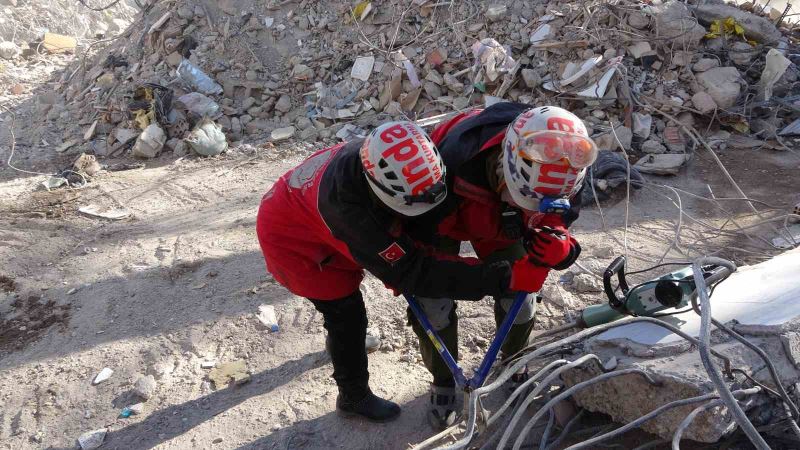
point(180, 282)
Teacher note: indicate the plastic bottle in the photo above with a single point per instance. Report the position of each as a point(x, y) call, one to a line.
point(266, 315)
point(191, 74)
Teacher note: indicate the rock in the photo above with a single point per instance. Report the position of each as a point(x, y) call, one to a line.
point(236, 127)
point(664, 164)
point(755, 27)
point(460, 103)
point(674, 22)
point(303, 123)
point(603, 251)
point(17, 89)
point(92, 439)
point(104, 375)
point(174, 59)
point(432, 89)
point(87, 164)
point(638, 49)
point(9, 50)
point(252, 75)
point(281, 134)
point(638, 20)
point(674, 139)
point(433, 76)
point(136, 409)
point(457, 86)
point(642, 124)
point(437, 57)
point(704, 64)
point(682, 58)
point(496, 12)
point(207, 138)
point(741, 53)
point(309, 134)
point(686, 118)
point(585, 283)
point(302, 72)
point(652, 146)
point(703, 102)
point(531, 78)
point(598, 114)
point(284, 104)
point(145, 386)
point(722, 84)
point(248, 103)
point(185, 12)
point(150, 142)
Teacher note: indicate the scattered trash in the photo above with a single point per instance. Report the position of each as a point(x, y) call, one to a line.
point(266, 315)
point(145, 386)
point(104, 375)
point(542, 32)
point(493, 57)
point(86, 164)
point(362, 68)
point(150, 142)
point(67, 145)
point(663, 164)
point(783, 241)
point(207, 138)
point(126, 412)
point(92, 439)
point(350, 132)
point(196, 78)
point(208, 364)
point(199, 104)
point(775, 67)
point(233, 372)
point(54, 183)
point(104, 212)
point(791, 129)
point(58, 43)
point(607, 173)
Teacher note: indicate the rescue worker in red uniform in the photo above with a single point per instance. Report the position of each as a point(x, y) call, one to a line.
point(502, 162)
point(347, 208)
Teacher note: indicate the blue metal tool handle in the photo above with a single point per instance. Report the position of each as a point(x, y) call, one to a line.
point(458, 374)
point(502, 332)
point(488, 360)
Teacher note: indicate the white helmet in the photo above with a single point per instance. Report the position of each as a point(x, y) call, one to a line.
point(403, 168)
point(546, 152)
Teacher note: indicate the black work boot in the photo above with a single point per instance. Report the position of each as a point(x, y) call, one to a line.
point(370, 407)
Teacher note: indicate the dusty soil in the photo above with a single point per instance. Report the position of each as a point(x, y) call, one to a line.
point(180, 281)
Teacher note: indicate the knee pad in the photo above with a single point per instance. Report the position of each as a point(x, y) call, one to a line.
point(437, 310)
point(527, 311)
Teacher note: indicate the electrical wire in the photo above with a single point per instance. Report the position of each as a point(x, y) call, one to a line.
point(652, 414)
point(103, 8)
point(565, 432)
point(569, 392)
point(685, 423)
point(705, 355)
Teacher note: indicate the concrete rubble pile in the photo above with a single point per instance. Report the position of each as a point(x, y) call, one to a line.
point(641, 75)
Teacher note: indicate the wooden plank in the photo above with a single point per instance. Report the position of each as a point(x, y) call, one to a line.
point(58, 43)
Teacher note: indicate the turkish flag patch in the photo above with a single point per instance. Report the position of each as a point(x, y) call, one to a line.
point(393, 253)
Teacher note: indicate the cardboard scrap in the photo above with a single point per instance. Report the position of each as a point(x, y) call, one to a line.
point(58, 43)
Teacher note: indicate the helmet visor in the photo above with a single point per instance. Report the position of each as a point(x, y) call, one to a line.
point(551, 146)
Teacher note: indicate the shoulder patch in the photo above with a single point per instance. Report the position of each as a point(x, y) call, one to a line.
point(393, 253)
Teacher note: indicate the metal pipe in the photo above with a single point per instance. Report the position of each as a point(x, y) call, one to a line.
point(705, 354)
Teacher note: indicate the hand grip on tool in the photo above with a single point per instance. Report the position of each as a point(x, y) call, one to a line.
point(552, 247)
point(527, 276)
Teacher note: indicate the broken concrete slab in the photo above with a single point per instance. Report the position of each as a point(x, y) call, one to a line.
point(760, 302)
point(703, 102)
point(674, 23)
point(722, 84)
point(755, 27)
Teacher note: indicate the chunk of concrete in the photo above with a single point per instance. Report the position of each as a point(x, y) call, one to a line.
point(704, 64)
point(760, 302)
point(755, 27)
point(675, 24)
point(722, 84)
point(704, 102)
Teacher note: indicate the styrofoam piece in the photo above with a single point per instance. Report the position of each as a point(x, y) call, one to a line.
point(584, 68)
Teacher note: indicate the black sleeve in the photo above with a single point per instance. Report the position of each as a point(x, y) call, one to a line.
point(352, 215)
point(411, 270)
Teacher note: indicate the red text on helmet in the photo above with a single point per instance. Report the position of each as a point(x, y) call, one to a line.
point(555, 179)
point(560, 124)
point(420, 171)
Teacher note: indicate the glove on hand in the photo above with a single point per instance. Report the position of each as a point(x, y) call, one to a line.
point(554, 221)
point(574, 252)
point(526, 276)
point(548, 247)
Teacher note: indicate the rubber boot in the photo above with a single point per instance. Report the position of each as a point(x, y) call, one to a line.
point(370, 407)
